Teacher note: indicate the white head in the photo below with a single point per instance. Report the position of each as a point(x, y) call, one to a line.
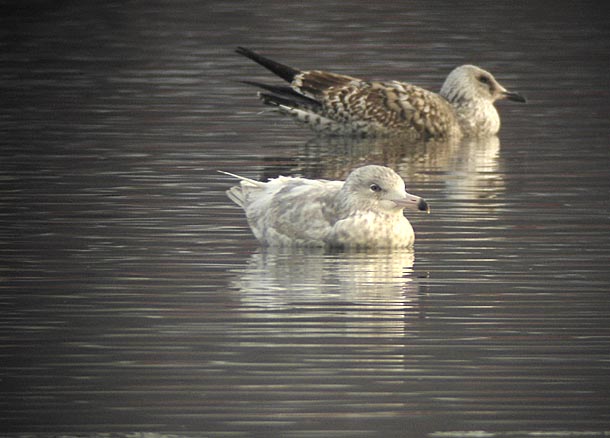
point(379, 189)
point(472, 91)
point(471, 83)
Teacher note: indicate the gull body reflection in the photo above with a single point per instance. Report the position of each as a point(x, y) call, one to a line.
point(375, 285)
point(469, 170)
point(475, 170)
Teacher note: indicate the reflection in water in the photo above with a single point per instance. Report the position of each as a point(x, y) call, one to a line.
point(466, 166)
point(131, 297)
point(475, 167)
point(346, 294)
point(335, 157)
point(278, 277)
point(463, 172)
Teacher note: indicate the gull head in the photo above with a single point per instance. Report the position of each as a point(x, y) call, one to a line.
point(378, 189)
point(471, 83)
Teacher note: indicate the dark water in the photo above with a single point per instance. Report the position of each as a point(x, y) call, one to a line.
point(135, 300)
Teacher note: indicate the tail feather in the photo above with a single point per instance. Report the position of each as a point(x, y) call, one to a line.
point(250, 181)
point(311, 117)
point(286, 94)
point(283, 71)
point(273, 88)
point(275, 100)
point(238, 194)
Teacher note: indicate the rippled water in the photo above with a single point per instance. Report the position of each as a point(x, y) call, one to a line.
point(136, 301)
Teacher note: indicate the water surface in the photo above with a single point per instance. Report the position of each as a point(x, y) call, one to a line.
point(135, 299)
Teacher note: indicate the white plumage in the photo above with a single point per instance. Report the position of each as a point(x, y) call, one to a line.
point(365, 211)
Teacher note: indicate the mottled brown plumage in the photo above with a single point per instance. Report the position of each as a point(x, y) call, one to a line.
point(340, 104)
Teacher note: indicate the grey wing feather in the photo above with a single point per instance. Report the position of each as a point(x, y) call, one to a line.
point(299, 210)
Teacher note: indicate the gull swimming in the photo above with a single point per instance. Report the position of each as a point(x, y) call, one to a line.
point(343, 105)
point(364, 211)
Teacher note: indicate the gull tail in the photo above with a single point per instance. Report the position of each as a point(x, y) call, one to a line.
point(299, 99)
point(283, 71)
point(283, 95)
point(238, 194)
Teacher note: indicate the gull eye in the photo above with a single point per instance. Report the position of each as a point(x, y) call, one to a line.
point(375, 188)
point(484, 79)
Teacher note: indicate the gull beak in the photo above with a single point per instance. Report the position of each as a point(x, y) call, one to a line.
point(412, 202)
point(422, 205)
point(515, 97)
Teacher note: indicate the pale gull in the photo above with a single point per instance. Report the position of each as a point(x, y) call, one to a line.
point(343, 105)
point(365, 211)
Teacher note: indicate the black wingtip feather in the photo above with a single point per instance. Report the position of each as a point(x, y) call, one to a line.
point(287, 93)
point(274, 100)
point(283, 71)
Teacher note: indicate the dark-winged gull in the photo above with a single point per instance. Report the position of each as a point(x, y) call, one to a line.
point(364, 211)
point(337, 104)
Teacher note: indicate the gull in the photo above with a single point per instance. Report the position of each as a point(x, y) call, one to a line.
point(343, 105)
point(364, 211)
